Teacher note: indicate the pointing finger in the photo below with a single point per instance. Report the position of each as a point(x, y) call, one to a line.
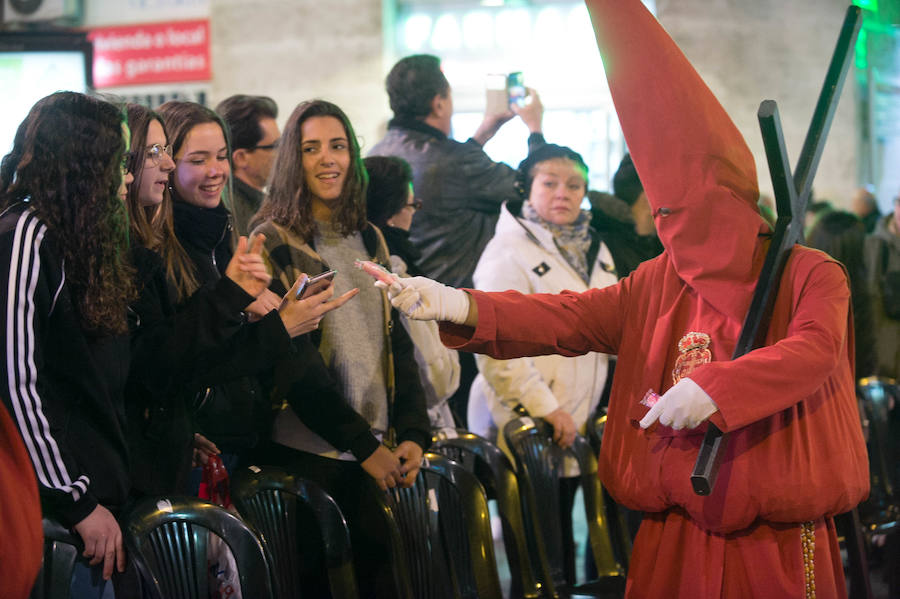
point(257, 245)
point(653, 415)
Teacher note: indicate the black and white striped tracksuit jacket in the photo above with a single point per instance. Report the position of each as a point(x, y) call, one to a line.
point(63, 388)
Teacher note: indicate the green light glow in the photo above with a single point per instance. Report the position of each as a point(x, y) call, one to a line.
point(862, 55)
point(867, 4)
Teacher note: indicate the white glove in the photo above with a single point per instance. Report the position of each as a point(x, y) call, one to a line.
point(685, 405)
point(423, 299)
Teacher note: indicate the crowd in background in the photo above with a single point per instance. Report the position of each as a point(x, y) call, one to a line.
point(155, 266)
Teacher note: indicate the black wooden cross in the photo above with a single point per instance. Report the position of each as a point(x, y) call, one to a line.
point(791, 196)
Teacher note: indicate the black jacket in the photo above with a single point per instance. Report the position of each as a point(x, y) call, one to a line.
point(64, 386)
point(167, 348)
point(233, 407)
point(261, 367)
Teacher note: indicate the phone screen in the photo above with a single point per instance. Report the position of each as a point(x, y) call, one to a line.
point(515, 87)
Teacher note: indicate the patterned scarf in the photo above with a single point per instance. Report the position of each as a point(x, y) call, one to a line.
point(573, 241)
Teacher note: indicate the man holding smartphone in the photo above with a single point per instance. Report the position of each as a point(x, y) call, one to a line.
point(460, 187)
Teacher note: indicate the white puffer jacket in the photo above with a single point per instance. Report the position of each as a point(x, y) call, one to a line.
point(523, 256)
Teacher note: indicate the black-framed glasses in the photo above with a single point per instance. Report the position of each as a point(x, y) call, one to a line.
point(272, 146)
point(155, 152)
point(415, 204)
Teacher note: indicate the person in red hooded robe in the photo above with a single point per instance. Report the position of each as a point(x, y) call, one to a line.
point(796, 455)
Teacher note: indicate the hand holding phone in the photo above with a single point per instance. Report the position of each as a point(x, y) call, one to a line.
point(316, 284)
point(308, 300)
point(515, 88)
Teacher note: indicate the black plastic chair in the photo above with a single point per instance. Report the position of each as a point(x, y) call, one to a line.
point(539, 463)
point(880, 513)
point(169, 540)
point(61, 550)
point(443, 531)
point(267, 499)
point(883, 505)
point(623, 523)
point(496, 474)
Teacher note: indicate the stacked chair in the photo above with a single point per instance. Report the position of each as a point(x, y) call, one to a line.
point(623, 523)
point(498, 477)
point(62, 550)
point(443, 534)
point(539, 463)
point(169, 538)
point(879, 515)
point(268, 498)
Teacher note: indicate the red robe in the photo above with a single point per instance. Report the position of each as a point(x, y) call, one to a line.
point(796, 452)
point(20, 512)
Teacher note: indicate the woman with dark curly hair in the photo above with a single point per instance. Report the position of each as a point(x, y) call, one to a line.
point(67, 284)
point(314, 219)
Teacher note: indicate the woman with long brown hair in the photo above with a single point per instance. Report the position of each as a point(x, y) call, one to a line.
point(314, 219)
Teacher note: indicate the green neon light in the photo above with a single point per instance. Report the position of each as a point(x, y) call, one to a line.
point(862, 53)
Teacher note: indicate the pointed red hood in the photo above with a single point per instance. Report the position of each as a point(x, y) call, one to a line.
point(696, 169)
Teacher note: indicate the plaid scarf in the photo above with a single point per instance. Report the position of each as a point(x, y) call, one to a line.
point(573, 241)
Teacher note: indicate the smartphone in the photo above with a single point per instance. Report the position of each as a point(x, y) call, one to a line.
point(316, 284)
point(515, 88)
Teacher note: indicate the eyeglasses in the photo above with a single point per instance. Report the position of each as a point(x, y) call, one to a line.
point(415, 204)
point(154, 153)
point(272, 146)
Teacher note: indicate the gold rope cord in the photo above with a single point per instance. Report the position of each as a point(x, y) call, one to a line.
point(808, 546)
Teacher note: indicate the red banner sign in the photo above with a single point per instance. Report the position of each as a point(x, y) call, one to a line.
point(152, 53)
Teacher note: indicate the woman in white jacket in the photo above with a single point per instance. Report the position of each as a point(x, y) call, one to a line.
point(543, 245)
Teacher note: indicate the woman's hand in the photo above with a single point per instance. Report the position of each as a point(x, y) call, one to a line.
point(301, 316)
point(102, 539)
point(410, 455)
point(247, 268)
point(564, 429)
point(203, 448)
point(384, 467)
point(265, 303)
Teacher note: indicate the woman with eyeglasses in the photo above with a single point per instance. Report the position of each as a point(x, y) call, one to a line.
point(167, 342)
point(391, 204)
point(66, 285)
point(314, 220)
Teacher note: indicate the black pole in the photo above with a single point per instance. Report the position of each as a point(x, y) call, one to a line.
point(791, 197)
